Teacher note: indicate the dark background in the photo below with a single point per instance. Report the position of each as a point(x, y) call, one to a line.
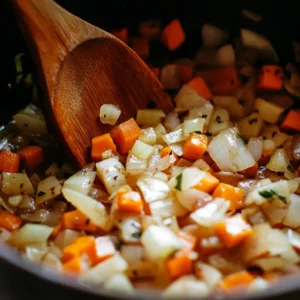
point(280, 24)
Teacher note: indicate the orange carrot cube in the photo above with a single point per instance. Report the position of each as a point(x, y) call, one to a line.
point(270, 78)
point(188, 239)
point(233, 231)
point(207, 184)
point(180, 264)
point(9, 221)
point(75, 265)
point(235, 281)
point(291, 121)
point(32, 156)
point(195, 146)
point(173, 35)
point(101, 144)
point(230, 193)
point(121, 34)
point(9, 161)
point(198, 84)
point(129, 202)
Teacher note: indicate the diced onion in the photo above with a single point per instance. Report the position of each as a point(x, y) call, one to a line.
point(130, 230)
point(219, 121)
point(91, 208)
point(53, 170)
point(119, 283)
point(149, 117)
point(148, 136)
point(16, 184)
point(171, 121)
point(193, 199)
point(48, 189)
point(174, 136)
point(167, 208)
point(210, 275)
point(255, 146)
point(15, 200)
point(134, 165)
point(193, 125)
point(65, 237)
point(226, 55)
point(294, 185)
point(213, 36)
point(292, 217)
point(169, 77)
point(279, 161)
point(160, 242)
point(142, 150)
point(294, 238)
point(160, 130)
point(231, 104)
point(109, 114)
point(268, 147)
point(229, 151)
point(202, 165)
point(250, 126)
point(273, 133)
point(268, 111)
point(270, 264)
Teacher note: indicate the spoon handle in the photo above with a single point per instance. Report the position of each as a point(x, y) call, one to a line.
point(51, 33)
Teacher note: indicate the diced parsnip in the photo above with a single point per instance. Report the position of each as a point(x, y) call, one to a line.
point(188, 98)
point(193, 125)
point(149, 117)
point(232, 104)
point(256, 245)
point(204, 112)
point(250, 126)
point(279, 161)
point(268, 147)
point(16, 184)
point(53, 170)
point(15, 200)
point(141, 150)
point(191, 199)
point(131, 230)
point(109, 114)
point(187, 179)
point(211, 213)
point(112, 173)
point(177, 148)
point(274, 214)
point(91, 208)
point(83, 180)
point(294, 184)
point(148, 136)
point(229, 152)
point(268, 111)
point(160, 242)
point(210, 275)
point(255, 146)
point(169, 77)
point(277, 192)
point(48, 189)
point(174, 136)
point(30, 234)
point(34, 254)
point(202, 165)
point(152, 188)
point(65, 237)
point(219, 121)
point(119, 283)
point(213, 36)
point(160, 131)
point(134, 165)
point(186, 286)
point(273, 133)
point(171, 121)
point(270, 264)
point(104, 270)
point(167, 207)
point(292, 216)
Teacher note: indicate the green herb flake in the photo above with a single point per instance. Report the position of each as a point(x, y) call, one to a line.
point(178, 182)
point(119, 245)
point(137, 234)
point(271, 194)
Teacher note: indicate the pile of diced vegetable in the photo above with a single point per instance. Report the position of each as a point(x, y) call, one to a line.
point(198, 201)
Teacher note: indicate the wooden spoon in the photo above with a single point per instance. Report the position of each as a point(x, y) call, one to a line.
point(82, 67)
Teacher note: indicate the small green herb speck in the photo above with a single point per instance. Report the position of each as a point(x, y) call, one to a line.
point(137, 234)
point(290, 168)
point(178, 183)
point(270, 194)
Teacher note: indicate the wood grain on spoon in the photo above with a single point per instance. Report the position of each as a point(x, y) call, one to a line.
point(82, 67)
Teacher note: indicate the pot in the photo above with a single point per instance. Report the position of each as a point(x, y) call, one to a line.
point(19, 279)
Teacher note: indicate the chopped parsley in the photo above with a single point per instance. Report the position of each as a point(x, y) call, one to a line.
point(271, 194)
point(137, 234)
point(178, 183)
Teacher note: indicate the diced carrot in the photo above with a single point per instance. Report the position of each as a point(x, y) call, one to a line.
point(270, 78)
point(180, 264)
point(81, 245)
point(9, 161)
point(194, 146)
point(236, 280)
point(104, 249)
point(271, 276)
point(155, 71)
point(129, 202)
point(57, 230)
point(251, 171)
point(188, 239)
point(291, 121)
point(263, 160)
point(173, 35)
point(184, 73)
point(210, 245)
point(182, 162)
point(230, 193)
point(101, 144)
point(140, 46)
point(9, 221)
point(121, 34)
point(126, 134)
point(199, 85)
point(222, 81)
point(32, 156)
point(76, 220)
point(74, 265)
point(233, 231)
point(207, 184)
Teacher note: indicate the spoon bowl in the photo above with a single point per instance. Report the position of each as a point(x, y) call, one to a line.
point(81, 67)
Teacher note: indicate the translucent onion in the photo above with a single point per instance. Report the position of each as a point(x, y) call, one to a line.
point(141, 150)
point(109, 114)
point(174, 136)
point(169, 77)
point(279, 161)
point(48, 189)
point(255, 146)
point(292, 217)
point(65, 237)
point(193, 199)
point(16, 184)
point(171, 121)
point(167, 208)
point(213, 36)
point(148, 136)
point(134, 165)
point(210, 275)
point(119, 283)
point(226, 55)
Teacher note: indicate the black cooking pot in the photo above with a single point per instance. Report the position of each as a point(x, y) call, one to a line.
point(18, 279)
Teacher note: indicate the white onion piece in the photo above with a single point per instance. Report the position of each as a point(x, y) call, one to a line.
point(274, 213)
point(192, 199)
point(231, 104)
point(292, 217)
point(268, 147)
point(294, 184)
point(109, 114)
point(15, 200)
point(273, 133)
point(133, 253)
point(211, 213)
point(65, 237)
point(119, 283)
point(229, 151)
point(171, 121)
point(104, 270)
point(269, 112)
point(255, 146)
point(259, 284)
point(91, 208)
point(112, 173)
point(193, 125)
point(160, 130)
point(30, 234)
point(34, 255)
point(213, 36)
point(149, 117)
point(247, 185)
point(269, 264)
point(152, 188)
point(226, 55)
point(130, 230)
point(142, 150)
point(169, 77)
point(219, 121)
point(134, 165)
point(167, 208)
point(279, 161)
point(174, 136)
point(294, 238)
point(48, 189)
point(16, 184)
point(53, 170)
point(160, 242)
point(177, 148)
point(250, 126)
point(148, 136)
point(4, 235)
point(202, 165)
point(210, 275)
